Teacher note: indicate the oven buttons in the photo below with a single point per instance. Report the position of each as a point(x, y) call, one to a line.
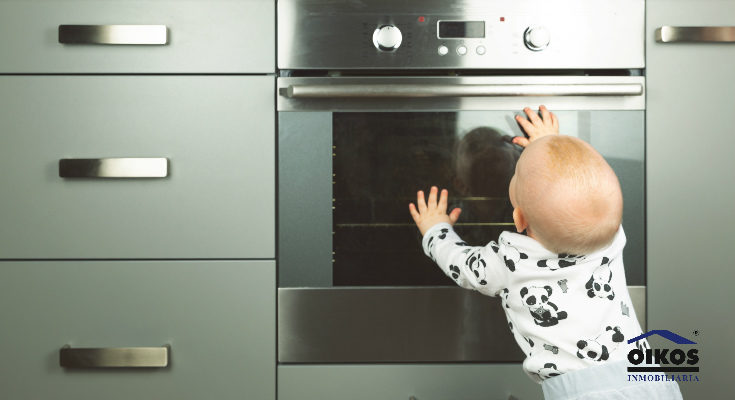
point(443, 50)
point(536, 37)
point(480, 50)
point(461, 50)
point(387, 38)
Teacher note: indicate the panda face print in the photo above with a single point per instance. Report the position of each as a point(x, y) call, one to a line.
point(544, 312)
point(548, 371)
point(477, 265)
point(511, 255)
point(535, 296)
point(599, 283)
point(599, 349)
point(564, 261)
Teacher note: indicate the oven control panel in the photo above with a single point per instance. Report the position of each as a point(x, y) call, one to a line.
point(478, 34)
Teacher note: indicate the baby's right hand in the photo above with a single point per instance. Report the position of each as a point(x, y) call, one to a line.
point(548, 124)
point(429, 213)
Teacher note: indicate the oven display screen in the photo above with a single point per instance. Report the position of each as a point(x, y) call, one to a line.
point(461, 29)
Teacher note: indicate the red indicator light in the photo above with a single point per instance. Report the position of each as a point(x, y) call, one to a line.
point(502, 19)
point(421, 19)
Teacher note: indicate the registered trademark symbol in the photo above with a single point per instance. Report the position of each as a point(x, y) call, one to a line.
point(696, 333)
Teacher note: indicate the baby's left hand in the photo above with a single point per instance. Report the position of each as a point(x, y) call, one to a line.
point(536, 127)
point(432, 213)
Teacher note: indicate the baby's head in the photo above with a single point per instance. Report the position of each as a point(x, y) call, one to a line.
point(484, 162)
point(566, 196)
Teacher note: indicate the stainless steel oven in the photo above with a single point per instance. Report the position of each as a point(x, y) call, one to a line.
point(378, 99)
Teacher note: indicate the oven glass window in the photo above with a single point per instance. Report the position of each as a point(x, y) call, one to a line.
point(381, 160)
point(346, 179)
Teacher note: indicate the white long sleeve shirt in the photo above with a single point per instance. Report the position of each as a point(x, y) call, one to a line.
point(566, 312)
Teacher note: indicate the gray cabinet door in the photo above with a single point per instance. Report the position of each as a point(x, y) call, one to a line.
point(218, 318)
point(218, 133)
point(691, 189)
point(203, 36)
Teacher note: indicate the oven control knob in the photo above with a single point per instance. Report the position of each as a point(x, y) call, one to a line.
point(536, 37)
point(387, 38)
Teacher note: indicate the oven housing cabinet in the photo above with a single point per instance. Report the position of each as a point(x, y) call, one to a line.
point(322, 318)
point(349, 69)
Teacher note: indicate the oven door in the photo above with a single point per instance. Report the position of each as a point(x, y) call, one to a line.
point(354, 284)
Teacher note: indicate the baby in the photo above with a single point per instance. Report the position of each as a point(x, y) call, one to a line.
point(562, 285)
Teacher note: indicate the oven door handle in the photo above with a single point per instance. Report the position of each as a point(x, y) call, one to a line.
point(437, 90)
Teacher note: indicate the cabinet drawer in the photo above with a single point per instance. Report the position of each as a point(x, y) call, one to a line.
point(221, 36)
point(217, 132)
point(218, 318)
point(400, 382)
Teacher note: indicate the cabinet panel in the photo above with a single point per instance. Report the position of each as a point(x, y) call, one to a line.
point(218, 317)
point(691, 189)
point(218, 200)
point(400, 382)
point(203, 37)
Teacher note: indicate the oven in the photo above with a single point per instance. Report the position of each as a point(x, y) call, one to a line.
point(379, 99)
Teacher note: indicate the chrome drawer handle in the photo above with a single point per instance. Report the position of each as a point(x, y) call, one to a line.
point(674, 34)
point(120, 357)
point(436, 90)
point(113, 34)
point(113, 167)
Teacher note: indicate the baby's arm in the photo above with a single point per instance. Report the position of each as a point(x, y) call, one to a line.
point(536, 127)
point(470, 267)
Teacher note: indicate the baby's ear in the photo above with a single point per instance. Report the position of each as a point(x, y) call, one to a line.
point(519, 219)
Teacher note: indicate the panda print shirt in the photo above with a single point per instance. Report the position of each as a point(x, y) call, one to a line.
point(567, 312)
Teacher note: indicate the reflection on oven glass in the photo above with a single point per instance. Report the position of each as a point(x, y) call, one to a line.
point(381, 160)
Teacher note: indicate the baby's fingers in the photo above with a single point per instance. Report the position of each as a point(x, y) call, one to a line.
point(420, 202)
point(526, 125)
point(546, 116)
point(555, 122)
point(533, 116)
point(415, 214)
point(454, 215)
point(521, 141)
point(432, 198)
point(443, 201)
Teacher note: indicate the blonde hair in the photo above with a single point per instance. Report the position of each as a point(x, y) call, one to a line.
point(569, 195)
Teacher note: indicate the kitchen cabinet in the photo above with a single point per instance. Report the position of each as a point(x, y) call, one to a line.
point(691, 189)
point(181, 262)
point(217, 132)
point(218, 317)
point(201, 36)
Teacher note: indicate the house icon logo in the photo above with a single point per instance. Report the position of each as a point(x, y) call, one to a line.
point(664, 334)
point(663, 360)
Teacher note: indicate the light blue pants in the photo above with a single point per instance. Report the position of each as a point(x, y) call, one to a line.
point(607, 382)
